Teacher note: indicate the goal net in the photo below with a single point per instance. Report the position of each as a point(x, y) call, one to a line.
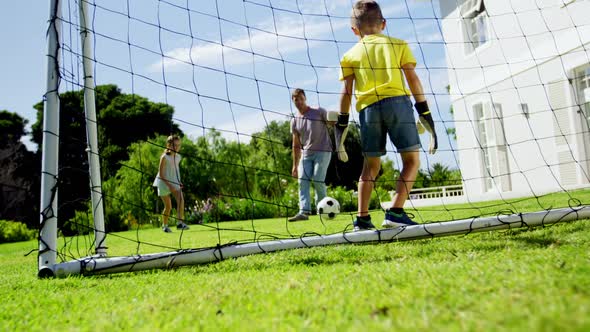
point(508, 84)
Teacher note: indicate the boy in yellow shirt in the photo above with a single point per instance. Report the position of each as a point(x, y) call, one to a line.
point(374, 66)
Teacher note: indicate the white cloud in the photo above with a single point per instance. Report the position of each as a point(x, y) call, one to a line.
point(288, 39)
point(325, 74)
point(246, 126)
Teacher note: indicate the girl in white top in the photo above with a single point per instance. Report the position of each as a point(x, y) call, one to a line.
point(168, 182)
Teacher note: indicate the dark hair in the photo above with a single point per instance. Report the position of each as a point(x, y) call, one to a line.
point(366, 13)
point(297, 92)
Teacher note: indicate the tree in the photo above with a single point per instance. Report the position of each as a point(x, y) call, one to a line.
point(210, 167)
point(197, 170)
point(128, 119)
point(12, 127)
point(19, 179)
point(440, 175)
point(388, 178)
point(274, 143)
point(271, 160)
point(130, 197)
point(122, 119)
point(232, 167)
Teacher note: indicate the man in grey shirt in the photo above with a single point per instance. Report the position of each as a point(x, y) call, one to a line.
point(312, 150)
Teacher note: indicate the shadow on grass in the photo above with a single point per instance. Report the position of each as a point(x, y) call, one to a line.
point(543, 242)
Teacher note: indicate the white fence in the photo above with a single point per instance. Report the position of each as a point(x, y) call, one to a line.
point(434, 192)
point(432, 196)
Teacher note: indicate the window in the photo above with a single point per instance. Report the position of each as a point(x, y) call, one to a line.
point(492, 140)
point(483, 142)
point(582, 83)
point(582, 89)
point(475, 21)
point(583, 78)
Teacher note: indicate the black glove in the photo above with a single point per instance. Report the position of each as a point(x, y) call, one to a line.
point(425, 121)
point(342, 120)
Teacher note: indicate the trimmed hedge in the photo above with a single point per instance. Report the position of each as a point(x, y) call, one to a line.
point(14, 231)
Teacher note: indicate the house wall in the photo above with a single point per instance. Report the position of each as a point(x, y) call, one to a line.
point(533, 49)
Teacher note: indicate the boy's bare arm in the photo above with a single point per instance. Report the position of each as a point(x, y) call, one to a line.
point(424, 117)
point(414, 82)
point(346, 95)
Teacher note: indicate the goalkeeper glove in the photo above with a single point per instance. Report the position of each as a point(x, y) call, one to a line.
point(340, 136)
point(425, 122)
point(342, 120)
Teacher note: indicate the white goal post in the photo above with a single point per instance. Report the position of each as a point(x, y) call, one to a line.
point(49, 171)
point(167, 260)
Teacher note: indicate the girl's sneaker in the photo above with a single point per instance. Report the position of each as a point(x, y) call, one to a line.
point(166, 229)
point(182, 226)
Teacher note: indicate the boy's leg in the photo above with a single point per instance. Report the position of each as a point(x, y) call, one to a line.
point(401, 128)
point(396, 217)
point(402, 131)
point(405, 182)
point(373, 139)
point(322, 161)
point(366, 182)
point(365, 187)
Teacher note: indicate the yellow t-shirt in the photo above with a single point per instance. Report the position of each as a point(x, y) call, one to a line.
point(376, 62)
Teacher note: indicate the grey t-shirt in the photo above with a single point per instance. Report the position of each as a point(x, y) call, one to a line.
point(313, 131)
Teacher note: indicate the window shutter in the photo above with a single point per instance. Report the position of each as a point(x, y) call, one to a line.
point(488, 115)
point(560, 108)
point(498, 120)
point(470, 7)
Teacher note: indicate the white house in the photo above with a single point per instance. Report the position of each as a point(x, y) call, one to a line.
point(519, 72)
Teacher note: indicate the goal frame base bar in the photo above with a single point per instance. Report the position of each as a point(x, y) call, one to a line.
point(167, 260)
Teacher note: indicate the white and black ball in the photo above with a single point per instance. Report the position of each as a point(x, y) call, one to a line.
point(328, 208)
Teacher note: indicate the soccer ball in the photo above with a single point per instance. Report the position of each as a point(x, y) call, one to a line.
point(328, 208)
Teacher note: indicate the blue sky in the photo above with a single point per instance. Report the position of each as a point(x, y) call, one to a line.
point(22, 62)
point(295, 44)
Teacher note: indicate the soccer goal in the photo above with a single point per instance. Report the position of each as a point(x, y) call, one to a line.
point(209, 84)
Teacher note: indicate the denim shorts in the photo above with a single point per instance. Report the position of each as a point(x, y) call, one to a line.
point(392, 116)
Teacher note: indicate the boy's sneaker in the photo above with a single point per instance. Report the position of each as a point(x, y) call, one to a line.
point(299, 217)
point(362, 224)
point(393, 220)
point(182, 226)
point(166, 229)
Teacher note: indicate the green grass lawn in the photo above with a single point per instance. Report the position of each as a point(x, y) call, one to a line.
point(533, 280)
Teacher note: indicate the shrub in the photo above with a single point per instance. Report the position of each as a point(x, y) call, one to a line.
point(81, 223)
point(14, 231)
point(378, 196)
point(290, 199)
point(346, 198)
point(230, 209)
